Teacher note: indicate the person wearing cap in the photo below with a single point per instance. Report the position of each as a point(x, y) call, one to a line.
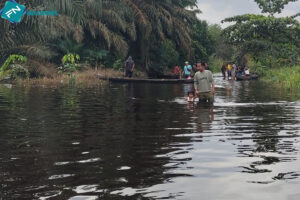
point(204, 84)
point(187, 70)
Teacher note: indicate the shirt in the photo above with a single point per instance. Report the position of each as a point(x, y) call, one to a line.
point(187, 70)
point(233, 69)
point(229, 67)
point(129, 65)
point(203, 81)
point(176, 70)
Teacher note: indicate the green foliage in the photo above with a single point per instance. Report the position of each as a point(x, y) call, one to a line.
point(285, 77)
point(221, 50)
point(121, 27)
point(168, 55)
point(70, 58)
point(272, 6)
point(269, 40)
point(18, 71)
point(12, 69)
point(119, 64)
point(164, 55)
point(202, 41)
point(97, 54)
point(13, 59)
point(94, 57)
point(70, 63)
point(38, 51)
point(215, 64)
point(68, 45)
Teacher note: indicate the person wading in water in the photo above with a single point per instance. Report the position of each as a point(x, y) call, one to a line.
point(204, 84)
point(129, 67)
point(223, 69)
point(187, 70)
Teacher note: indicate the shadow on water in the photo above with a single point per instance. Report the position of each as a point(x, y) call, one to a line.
point(143, 141)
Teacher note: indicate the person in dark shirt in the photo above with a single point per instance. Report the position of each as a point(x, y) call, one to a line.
point(223, 69)
point(129, 67)
point(240, 71)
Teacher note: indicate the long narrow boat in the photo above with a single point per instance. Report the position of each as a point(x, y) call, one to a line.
point(145, 80)
point(245, 78)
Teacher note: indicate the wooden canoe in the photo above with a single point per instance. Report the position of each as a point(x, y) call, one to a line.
point(145, 80)
point(245, 78)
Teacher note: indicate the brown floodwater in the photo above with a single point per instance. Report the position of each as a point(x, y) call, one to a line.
point(143, 141)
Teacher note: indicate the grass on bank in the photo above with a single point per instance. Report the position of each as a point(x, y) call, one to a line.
point(215, 65)
point(86, 78)
point(285, 77)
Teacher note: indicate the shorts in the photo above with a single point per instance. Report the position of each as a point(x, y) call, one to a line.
point(206, 97)
point(229, 73)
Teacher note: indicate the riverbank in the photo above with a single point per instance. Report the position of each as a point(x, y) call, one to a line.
point(287, 78)
point(85, 78)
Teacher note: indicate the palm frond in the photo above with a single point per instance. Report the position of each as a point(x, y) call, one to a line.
point(73, 8)
point(131, 31)
point(37, 51)
point(113, 19)
point(141, 19)
point(97, 28)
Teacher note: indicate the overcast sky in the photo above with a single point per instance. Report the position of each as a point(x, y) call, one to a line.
point(213, 11)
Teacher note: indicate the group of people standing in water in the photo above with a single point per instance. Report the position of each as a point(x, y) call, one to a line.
point(188, 70)
point(232, 71)
point(203, 89)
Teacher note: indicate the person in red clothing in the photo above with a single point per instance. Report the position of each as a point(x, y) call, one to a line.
point(177, 71)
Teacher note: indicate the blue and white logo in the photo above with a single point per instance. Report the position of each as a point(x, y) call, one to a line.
point(13, 11)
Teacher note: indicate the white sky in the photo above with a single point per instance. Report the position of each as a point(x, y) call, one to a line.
point(213, 11)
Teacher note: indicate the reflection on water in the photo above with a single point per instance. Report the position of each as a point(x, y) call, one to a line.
point(143, 141)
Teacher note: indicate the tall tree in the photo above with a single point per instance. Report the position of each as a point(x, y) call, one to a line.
point(272, 6)
point(269, 39)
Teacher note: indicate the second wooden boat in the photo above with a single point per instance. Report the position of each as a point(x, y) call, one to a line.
point(245, 78)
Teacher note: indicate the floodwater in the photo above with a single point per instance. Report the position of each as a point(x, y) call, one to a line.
point(144, 142)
